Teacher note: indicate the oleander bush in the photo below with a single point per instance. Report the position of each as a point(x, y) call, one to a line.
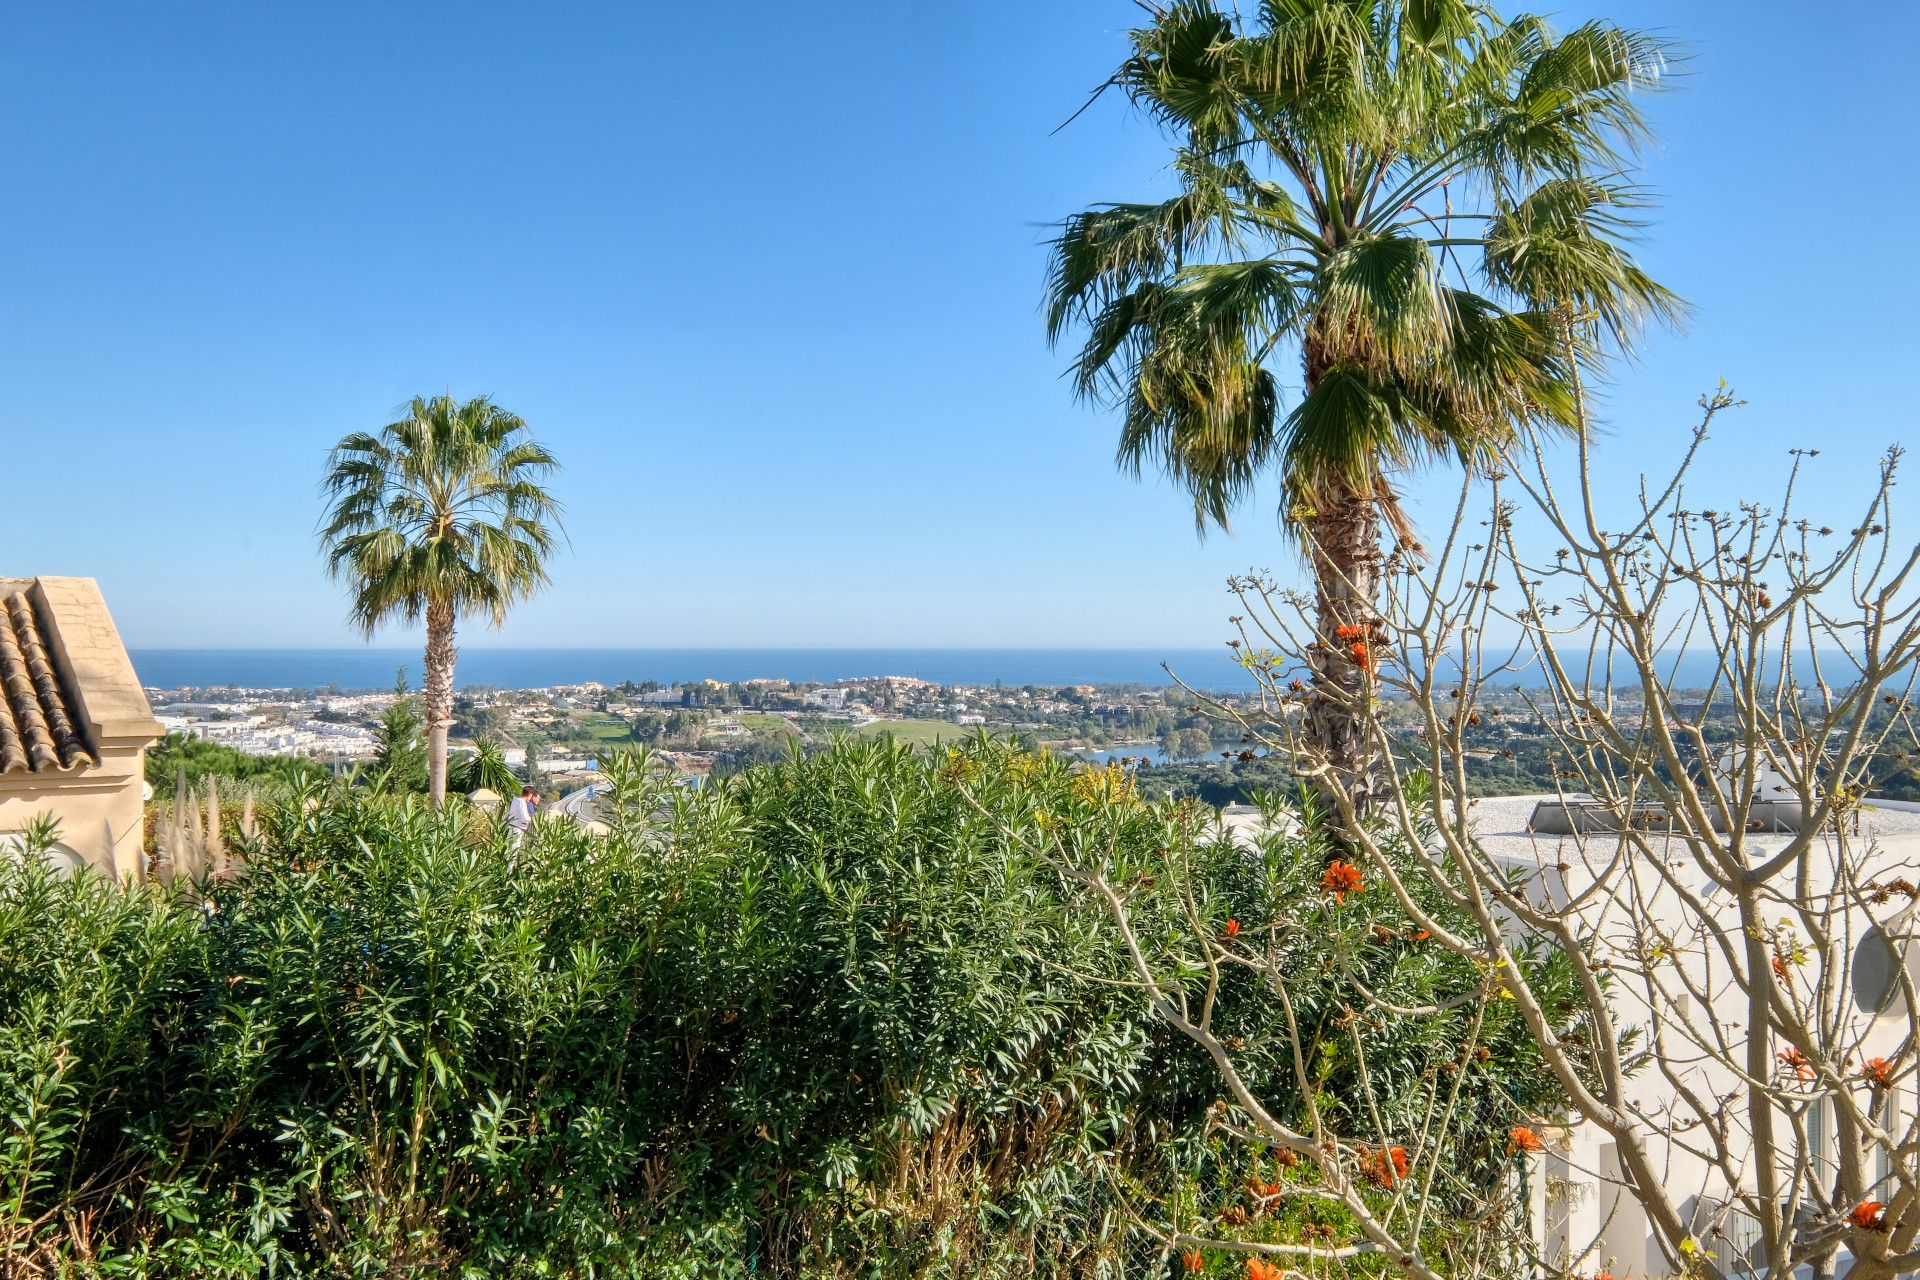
point(835, 1017)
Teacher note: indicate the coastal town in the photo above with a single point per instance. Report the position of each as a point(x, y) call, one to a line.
point(704, 726)
point(1184, 743)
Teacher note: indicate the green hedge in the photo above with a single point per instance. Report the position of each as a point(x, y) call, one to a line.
point(833, 1017)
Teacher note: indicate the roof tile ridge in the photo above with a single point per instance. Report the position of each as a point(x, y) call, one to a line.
point(30, 723)
point(69, 741)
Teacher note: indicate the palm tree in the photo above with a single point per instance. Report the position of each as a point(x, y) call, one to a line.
point(1418, 201)
point(441, 515)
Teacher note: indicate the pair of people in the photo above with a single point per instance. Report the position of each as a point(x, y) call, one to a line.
point(520, 814)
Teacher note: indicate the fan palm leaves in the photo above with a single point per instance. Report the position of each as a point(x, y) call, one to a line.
point(1417, 204)
point(439, 515)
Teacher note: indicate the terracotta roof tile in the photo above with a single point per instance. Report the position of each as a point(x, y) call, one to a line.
point(39, 729)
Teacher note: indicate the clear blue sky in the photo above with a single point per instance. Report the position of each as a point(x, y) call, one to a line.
point(767, 277)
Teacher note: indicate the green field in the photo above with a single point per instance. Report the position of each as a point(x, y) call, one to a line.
point(761, 723)
point(606, 728)
point(919, 733)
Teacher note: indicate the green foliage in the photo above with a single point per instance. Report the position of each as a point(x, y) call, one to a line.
point(1415, 200)
point(442, 507)
point(203, 759)
point(484, 765)
point(400, 754)
point(835, 1017)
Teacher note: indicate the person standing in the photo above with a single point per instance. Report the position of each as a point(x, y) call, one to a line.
point(520, 814)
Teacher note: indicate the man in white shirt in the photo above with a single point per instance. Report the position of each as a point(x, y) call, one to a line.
point(520, 814)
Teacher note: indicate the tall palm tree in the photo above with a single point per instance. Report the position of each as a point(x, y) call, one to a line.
point(441, 515)
point(1418, 201)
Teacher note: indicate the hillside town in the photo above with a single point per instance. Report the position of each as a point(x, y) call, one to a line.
point(700, 726)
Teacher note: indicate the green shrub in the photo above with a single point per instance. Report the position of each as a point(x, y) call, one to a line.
point(830, 1018)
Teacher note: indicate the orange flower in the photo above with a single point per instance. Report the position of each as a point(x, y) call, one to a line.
point(1350, 633)
point(1193, 1262)
point(1385, 1167)
point(1233, 928)
point(1521, 1138)
point(1869, 1215)
point(1779, 967)
point(1360, 654)
point(1802, 1069)
point(1878, 1071)
point(1257, 1269)
point(1262, 1190)
point(1423, 935)
point(1342, 878)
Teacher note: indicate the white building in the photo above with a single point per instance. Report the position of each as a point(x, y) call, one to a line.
point(1646, 911)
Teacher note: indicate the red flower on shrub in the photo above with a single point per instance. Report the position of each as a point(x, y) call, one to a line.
point(1521, 1138)
point(1869, 1215)
point(1386, 1166)
point(1259, 1269)
point(1233, 928)
point(1878, 1071)
point(1342, 878)
point(1193, 1262)
point(1802, 1069)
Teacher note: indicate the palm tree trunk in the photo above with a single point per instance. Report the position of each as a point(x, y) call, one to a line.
point(1344, 554)
point(438, 696)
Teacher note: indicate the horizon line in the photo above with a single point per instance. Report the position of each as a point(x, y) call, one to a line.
point(669, 648)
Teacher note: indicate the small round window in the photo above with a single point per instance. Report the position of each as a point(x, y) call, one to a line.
point(1876, 972)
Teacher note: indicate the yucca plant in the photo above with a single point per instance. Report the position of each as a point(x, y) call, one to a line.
point(1411, 210)
point(484, 765)
point(443, 514)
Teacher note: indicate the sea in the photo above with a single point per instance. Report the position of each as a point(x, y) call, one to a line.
point(370, 668)
point(1209, 670)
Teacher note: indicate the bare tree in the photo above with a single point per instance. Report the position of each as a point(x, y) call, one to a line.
point(1734, 911)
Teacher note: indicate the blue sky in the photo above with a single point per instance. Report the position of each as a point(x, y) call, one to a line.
point(766, 277)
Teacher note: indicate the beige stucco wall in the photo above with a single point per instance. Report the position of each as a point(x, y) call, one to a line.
point(98, 808)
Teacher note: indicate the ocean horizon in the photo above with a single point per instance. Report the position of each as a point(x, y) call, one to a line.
point(363, 669)
point(1213, 670)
